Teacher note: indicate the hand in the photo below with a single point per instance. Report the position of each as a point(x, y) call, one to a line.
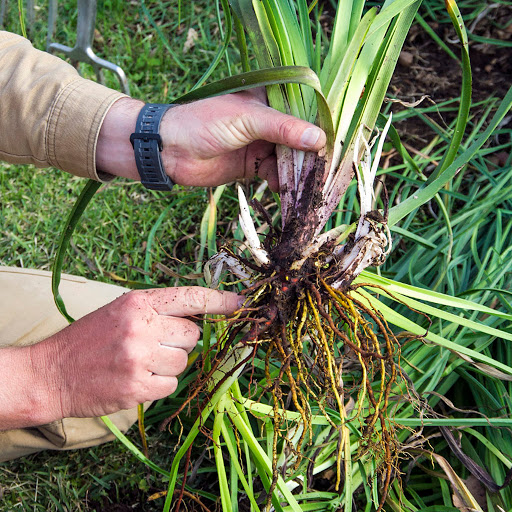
point(210, 142)
point(126, 353)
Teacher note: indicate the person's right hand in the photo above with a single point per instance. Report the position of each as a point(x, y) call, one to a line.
point(128, 352)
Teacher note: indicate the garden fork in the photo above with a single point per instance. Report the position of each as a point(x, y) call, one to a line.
point(82, 51)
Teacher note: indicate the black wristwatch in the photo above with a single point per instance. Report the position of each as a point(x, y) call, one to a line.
point(147, 145)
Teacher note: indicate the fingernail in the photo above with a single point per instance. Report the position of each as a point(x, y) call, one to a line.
point(241, 300)
point(310, 137)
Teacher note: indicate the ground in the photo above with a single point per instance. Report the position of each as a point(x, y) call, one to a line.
point(107, 478)
point(425, 69)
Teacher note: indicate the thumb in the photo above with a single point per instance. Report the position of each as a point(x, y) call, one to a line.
point(273, 126)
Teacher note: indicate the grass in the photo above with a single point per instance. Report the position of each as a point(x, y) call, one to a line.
point(34, 202)
point(463, 249)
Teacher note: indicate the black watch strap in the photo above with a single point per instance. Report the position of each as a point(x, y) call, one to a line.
point(147, 145)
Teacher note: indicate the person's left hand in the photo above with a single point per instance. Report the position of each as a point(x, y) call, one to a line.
point(213, 141)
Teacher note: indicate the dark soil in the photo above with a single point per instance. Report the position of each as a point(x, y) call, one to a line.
point(137, 501)
point(131, 500)
point(426, 69)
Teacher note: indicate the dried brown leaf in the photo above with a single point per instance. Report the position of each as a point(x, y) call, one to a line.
point(466, 501)
point(166, 270)
point(476, 489)
point(485, 368)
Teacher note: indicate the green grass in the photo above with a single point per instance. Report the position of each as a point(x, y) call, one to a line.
point(465, 239)
point(34, 203)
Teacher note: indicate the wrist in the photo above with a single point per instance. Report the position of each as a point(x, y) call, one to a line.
point(148, 146)
point(48, 376)
point(29, 391)
point(114, 152)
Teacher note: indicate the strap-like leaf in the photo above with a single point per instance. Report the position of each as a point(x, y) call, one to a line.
point(465, 97)
point(431, 187)
point(71, 222)
point(264, 77)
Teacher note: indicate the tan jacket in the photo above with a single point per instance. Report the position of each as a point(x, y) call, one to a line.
point(49, 115)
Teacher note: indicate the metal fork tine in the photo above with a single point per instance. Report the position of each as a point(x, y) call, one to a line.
point(82, 51)
point(85, 24)
point(52, 22)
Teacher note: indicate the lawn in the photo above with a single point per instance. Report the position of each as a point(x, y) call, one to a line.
point(458, 244)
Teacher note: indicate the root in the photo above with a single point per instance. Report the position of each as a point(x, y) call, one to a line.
point(322, 348)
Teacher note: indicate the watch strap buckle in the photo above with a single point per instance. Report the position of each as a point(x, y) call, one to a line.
point(146, 137)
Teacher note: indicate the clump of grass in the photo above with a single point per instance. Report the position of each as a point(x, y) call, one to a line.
point(319, 338)
point(300, 307)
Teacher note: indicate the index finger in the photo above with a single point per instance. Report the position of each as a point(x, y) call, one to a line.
point(193, 300)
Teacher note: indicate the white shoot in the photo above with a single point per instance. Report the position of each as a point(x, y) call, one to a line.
point(366, 172)
point(380, 145)
point(246, 223)
point(363, 171)
point(368, 250)
point(215, 265)
point(370, 240)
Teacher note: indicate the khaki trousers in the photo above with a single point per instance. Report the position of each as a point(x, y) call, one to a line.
point(28, 315)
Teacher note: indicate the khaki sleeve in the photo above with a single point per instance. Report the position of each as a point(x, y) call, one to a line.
point(49, 115)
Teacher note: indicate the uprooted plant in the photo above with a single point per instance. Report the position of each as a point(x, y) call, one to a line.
point(328, 354)
point(301, 310)
point(334, 350)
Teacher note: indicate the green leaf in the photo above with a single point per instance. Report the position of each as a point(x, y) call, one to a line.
point(260, 455)
point(222, 50)
point(404, 323)
point(231, 445)
point(427, 295)
point(225, 495)
point(69, 226)
point(432, 186)
point(235, 356)
point(132, 448)
point(465, 98)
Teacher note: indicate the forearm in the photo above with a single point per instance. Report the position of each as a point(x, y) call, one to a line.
point(49, 115)
point(27, 388)
point(114, 152)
